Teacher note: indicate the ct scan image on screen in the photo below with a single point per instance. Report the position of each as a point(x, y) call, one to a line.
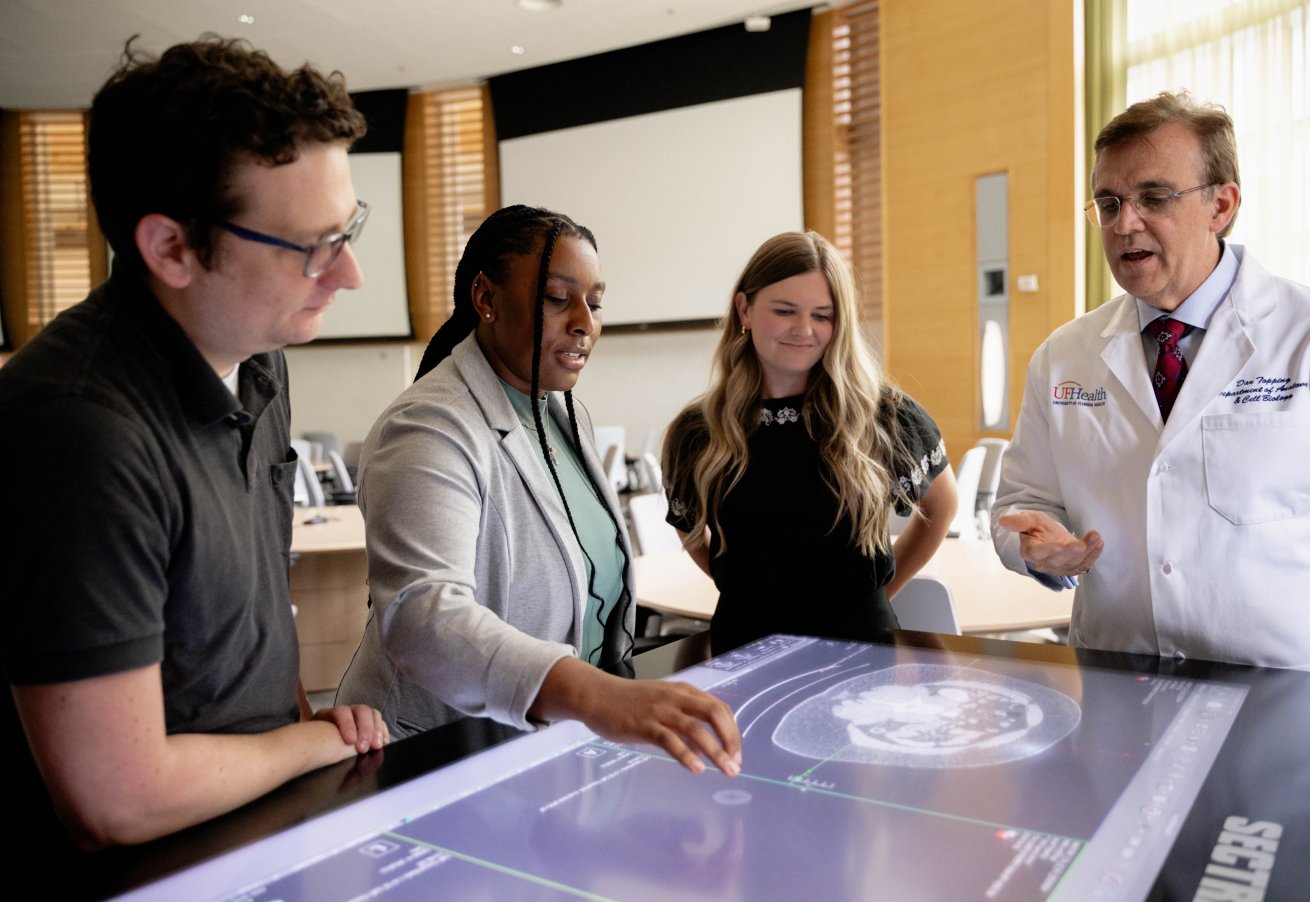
point(867, 770)
point(925, 715)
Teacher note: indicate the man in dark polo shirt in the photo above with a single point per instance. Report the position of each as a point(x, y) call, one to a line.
point(148, 638)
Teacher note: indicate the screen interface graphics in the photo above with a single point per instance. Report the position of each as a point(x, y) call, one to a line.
point(868, 770)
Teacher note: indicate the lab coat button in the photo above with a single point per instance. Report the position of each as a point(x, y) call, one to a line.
point(1167, 568)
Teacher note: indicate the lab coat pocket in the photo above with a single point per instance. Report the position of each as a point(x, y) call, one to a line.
point(1255, 465)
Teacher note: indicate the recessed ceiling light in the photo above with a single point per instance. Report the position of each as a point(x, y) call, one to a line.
point(540, 6)
point(245, 19)
point(757, 24)
point(517, 50)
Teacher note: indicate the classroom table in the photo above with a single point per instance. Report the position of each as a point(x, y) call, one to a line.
point(328, 588)
point(319, 530)
point(988, 597)
point(1194, 771)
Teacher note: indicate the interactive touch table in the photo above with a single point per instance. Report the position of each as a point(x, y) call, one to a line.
point(948, 768)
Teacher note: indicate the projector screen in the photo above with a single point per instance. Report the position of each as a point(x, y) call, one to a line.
point(678, 199)
point(380, 307)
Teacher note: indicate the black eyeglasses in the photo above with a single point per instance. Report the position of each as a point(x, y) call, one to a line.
point(320, 255)
point(1153, 203)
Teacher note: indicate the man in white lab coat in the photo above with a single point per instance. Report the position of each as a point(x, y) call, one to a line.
point(1162, 466)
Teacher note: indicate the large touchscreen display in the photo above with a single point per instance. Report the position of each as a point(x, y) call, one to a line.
point(868, 771)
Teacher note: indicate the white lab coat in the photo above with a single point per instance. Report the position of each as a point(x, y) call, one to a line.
point(1207, 521)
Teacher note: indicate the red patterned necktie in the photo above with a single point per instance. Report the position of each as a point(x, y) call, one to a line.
point(1170, 367)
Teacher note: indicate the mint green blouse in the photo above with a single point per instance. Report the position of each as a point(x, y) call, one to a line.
point(601, 548)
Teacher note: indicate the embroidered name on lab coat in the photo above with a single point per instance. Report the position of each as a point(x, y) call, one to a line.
point(1263, 390)
point(1072, 394)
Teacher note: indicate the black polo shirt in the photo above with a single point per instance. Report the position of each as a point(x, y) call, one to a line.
point(150, 516)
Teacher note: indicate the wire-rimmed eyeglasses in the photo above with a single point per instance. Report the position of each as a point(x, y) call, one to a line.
point(320, 255)
point(1153, 203)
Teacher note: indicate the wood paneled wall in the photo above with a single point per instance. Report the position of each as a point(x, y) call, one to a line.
point(970, 89)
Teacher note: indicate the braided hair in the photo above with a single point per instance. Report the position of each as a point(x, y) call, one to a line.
point(517, 231)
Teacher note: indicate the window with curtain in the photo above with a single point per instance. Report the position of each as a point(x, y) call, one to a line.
point(1251, 57)
point(451, 186)
point(843, 198)
point(858, 111)
point(61, 251)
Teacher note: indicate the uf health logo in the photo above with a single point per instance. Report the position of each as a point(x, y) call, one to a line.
point(1070, 393)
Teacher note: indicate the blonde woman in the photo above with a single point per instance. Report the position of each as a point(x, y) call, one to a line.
point(783, 478)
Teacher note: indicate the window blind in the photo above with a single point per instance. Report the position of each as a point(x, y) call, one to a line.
point(458, 190)
point(56, 230)
point(857, 108)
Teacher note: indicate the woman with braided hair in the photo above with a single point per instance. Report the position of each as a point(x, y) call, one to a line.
point(500, 570)
point(782, 479)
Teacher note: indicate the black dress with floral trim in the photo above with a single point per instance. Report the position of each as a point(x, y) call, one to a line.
point(787, 569)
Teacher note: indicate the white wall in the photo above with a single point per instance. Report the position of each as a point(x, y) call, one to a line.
point(638, 381)
point(342, 388)
point(641, 381)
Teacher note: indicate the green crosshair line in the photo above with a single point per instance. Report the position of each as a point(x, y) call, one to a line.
point(504, 869)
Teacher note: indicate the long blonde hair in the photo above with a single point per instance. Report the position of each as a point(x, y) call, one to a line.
point(850, 405)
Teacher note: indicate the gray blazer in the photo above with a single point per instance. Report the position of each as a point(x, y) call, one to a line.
point(477, 581)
